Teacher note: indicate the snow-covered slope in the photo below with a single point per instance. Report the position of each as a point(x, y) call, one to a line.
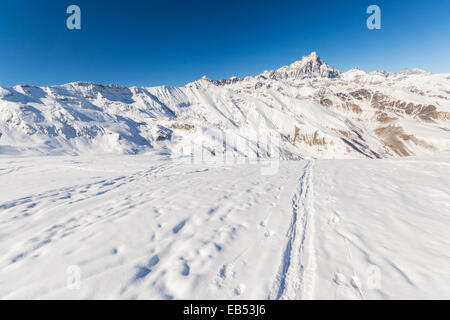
point(305, 110)
point(148, 227)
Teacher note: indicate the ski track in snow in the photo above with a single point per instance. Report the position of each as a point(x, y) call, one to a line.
point(295, 280)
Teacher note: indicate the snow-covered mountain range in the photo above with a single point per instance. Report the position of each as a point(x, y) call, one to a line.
point(305, 110)
point(110, 224)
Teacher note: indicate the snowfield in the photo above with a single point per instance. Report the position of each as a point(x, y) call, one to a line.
point(152, 227)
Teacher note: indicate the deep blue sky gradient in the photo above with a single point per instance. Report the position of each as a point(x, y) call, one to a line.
point(148, 43)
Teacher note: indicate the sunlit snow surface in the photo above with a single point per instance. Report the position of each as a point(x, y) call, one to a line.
point(150, 227)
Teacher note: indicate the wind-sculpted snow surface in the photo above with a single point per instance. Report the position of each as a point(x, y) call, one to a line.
point(302, 111)
point(147, 226)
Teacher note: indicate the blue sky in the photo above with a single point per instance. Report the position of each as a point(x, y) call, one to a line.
point(148, 43)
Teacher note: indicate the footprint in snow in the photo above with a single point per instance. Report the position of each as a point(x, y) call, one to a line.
point(179, 226)
point(239, 290)
point(143, 271)
point(268, 233)
point(339, 279)
point(335, 219)
point(186, 269)
point(153, 261)
point(355, 282)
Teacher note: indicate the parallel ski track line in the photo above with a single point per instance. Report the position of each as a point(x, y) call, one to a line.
point(295, 278)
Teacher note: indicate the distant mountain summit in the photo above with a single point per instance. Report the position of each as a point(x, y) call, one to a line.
point(309, 66)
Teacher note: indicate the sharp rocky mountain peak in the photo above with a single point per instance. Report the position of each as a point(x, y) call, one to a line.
point(309, 66)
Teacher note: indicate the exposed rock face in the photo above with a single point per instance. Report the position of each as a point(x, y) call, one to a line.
point(396, 139)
